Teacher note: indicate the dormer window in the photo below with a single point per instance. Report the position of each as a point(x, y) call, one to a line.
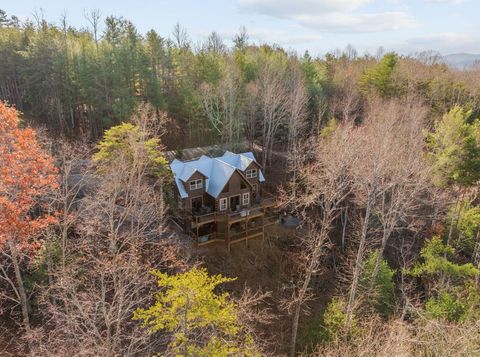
point(196, 184)
point(251, 173)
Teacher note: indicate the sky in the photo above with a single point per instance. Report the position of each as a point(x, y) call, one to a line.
point(319, 26)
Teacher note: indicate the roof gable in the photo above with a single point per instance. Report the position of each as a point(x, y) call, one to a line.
point(217, 171)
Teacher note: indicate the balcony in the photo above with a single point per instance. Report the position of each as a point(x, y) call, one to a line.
point(206, 214)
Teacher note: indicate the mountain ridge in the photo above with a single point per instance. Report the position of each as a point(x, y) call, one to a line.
point(461, 60)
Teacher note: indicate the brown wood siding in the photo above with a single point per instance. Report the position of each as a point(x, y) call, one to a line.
point(234, 189)
point(255, 180)
point(194, 193)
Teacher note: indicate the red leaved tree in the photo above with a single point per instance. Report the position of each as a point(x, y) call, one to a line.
point(27, 175)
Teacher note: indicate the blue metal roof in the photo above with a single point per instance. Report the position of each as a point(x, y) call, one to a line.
point(217, 170)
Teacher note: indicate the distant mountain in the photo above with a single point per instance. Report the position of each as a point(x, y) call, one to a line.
point(461, 60)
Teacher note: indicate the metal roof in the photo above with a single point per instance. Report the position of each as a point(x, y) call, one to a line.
point(217, 170)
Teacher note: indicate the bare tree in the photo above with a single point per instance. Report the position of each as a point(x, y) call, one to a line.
point(118, 236)
point(251, 111)
point(93, 17)
point(297, 123)
point(241, 38)
point(215, 44)
point(327, 184)
point(273, 101)
point(370, 175)
point(347, 100)
point(180, 36)
point(391, 179)
point(221, 104)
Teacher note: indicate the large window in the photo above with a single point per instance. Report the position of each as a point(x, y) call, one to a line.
point(251, 173)
point(196, 184)
point(222, 204)
point(246, 198)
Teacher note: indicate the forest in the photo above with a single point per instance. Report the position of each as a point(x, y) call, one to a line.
point(378, 157)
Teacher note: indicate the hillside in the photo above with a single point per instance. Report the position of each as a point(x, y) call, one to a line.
point(160, 196)
point(462, 60)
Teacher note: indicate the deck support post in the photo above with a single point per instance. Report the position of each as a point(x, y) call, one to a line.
point(228, 232)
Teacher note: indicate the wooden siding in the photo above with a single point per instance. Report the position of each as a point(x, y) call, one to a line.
point(194, 193)
point(234, 189)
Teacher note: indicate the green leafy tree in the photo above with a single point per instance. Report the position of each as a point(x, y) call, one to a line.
point(203, 322)
point(130, 142)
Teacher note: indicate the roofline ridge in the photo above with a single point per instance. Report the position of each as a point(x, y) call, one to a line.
point(223, 162)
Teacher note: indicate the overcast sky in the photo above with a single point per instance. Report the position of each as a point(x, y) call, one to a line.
point(406, 26)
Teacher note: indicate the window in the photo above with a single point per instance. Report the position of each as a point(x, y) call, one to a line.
point(251, 173)
point(222, 204)
point(196, 184)
point(246, 198)
point(243, 185)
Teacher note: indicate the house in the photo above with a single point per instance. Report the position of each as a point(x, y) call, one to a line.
point(222, 199)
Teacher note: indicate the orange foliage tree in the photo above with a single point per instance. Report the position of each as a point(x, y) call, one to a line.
point(27, 175)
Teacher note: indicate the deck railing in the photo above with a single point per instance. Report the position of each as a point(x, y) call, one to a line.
point(217, 216)
point(210, 238)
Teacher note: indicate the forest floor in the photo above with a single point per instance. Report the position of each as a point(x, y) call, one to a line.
point(8, 338)
point(266, 266)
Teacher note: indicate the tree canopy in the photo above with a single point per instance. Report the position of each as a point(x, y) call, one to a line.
point(188, 305)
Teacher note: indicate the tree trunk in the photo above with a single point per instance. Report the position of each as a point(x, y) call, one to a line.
point(344, 225)
point(358, 264)
point(301, 296)
point(476, 256)
point(20, 287)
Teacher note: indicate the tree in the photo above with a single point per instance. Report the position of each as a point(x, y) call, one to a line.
point(406, 182)
point(436, 264)
point(455, 154)
point(222, 106)
point(27, 176)
point(455, 148)
point(326, 184)
point(202, 321)
point(241, 39)
point(390, 179)
point(468, 228)
point(380, 77)
point(272, 102)
point(133, 143)
point(297, 117)
point(383, 286)
point(450, 289)
point(117, 232)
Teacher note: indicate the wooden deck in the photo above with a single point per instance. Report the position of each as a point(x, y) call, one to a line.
point(251, 221)
point(256, 210)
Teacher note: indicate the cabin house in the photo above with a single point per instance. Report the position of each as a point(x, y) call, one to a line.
point(222, 199)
